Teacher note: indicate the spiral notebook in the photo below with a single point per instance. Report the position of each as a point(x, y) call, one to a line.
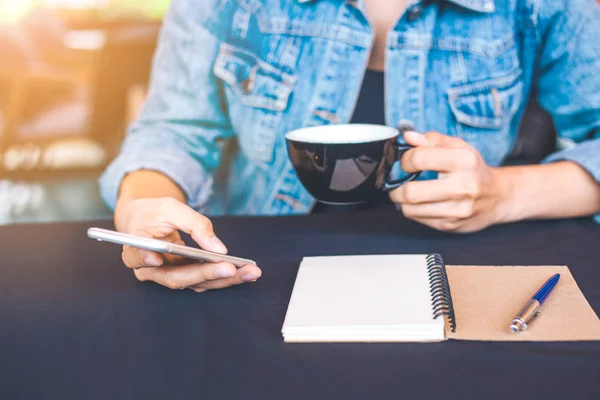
point(417, 298)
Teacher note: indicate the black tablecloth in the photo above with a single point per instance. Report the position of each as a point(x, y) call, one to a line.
point(74, 322)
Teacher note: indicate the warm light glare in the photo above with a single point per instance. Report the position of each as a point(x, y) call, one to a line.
point(76, 4)
point(13, 10)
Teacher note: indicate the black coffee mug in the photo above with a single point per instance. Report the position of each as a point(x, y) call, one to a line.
point(347, 163)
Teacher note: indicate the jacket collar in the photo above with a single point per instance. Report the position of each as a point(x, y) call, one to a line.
point(484, 6)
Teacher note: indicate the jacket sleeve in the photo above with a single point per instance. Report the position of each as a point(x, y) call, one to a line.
point(568, 79)
point(178, 128)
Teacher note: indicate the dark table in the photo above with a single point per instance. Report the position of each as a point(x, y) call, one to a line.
point(74, 322)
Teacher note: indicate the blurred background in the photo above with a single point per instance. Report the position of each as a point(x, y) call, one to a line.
point(73, 74)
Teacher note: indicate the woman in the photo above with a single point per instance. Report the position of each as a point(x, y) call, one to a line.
point(232, 76)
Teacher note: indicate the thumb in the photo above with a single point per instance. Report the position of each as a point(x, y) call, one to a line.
point(203, 233)
point(207, 239)
point(196, 225)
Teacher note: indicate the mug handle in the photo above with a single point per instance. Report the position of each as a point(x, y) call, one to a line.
point(395, 183)
point(400, 149)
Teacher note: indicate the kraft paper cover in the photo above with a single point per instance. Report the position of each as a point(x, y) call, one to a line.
point(487, 298)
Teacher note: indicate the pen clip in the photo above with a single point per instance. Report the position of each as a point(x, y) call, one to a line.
point(528, 323)
point(537, 314)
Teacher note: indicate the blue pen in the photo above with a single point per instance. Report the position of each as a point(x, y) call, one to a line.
point(531, 309)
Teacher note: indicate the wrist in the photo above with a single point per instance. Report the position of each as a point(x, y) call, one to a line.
point(121, 212)
point(507, 206)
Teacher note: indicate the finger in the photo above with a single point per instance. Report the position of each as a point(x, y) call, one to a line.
point(248, 273)
point(453, 209)
point(432, 139)
point(139, 258)
point(441, 224)
point(430, 191)
point(189, 221)
point(439, 140)
point(184, 276)
point(438, 159)
point(415, 138)
point(171, 237)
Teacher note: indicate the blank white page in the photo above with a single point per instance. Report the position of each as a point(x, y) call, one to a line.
point(374, 293)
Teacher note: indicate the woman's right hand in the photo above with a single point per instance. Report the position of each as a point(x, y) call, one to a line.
point(163, 218)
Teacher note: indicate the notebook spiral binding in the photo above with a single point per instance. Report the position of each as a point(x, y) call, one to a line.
point(441, 298)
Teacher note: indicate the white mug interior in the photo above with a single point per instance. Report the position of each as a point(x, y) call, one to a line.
point(342, 133)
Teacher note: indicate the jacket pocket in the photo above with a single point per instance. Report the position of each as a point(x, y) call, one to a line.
point(257, 93)
point(487, 104)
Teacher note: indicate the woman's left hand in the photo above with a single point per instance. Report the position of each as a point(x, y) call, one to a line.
point(468, 195)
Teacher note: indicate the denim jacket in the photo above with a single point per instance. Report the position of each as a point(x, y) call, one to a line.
point(231, 77)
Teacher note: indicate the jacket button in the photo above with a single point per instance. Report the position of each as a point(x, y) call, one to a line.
point(248, 85)
point(414, 13)
point(249, 82)
point(404, 126)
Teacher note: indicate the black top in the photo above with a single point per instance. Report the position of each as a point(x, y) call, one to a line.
point(370, 109)
point(370, 106)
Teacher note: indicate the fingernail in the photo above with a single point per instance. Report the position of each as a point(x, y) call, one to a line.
point(415, 137)
point(249, 277)
point(152, 261)
point(218, 245)
point(224, 271)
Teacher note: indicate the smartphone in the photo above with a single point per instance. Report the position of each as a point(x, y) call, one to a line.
point(164, 247)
